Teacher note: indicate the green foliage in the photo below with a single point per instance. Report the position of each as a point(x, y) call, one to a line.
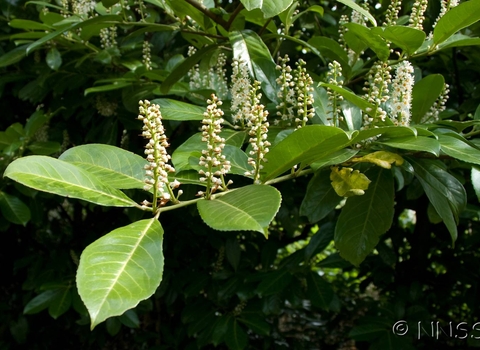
point(303, 209)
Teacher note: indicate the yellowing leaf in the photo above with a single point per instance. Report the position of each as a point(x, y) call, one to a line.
point(383, 159)
point(348, 182)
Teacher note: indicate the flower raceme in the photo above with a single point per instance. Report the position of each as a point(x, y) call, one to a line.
point(212, 160)
point(157, 169)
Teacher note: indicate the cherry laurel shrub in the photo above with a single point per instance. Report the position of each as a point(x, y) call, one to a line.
point(270, 103)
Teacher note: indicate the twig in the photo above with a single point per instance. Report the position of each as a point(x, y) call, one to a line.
point(219, 37)
point(208, 13)
point(234, 15)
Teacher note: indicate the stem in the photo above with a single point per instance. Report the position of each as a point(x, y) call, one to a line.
point(219, 37)
point(289, 176)
point(208, 13)
point(234, 15)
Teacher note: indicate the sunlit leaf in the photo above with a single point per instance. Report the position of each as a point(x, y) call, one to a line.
point(120, 269)
point(65, 179)
point(177, 110)
point(460, 149)
point(248, 208)
point(305, 146)
point(457, 18)
point(112, 165)
point(374, 41)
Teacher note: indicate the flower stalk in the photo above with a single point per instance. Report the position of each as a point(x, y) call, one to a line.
point(212, 160)
point(157, 169)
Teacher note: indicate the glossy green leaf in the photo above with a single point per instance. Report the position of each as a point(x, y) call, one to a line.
point(65, 179)
point(117, 167)
point(60, 303)
point(407, 38)
point(359, 9)
point(320, 198)
point(364, 218)
point(120, 269)
point(444, 191)
point(238, 160)
point(358, 101)
point(75, 25)
point(40, 302)
point(108, 87)
point(252, 4)
point(331, 48)
point(13, 56)
point(456, 148)
point(249, 48)
point(334, 261)
point(319, 291)
point(419, 144)
point(386, 132)
point(53, 59)
point(35, 122)
point(475, 177)
point(335, 158)
point(44, 148)
point(236, 338)
point(458, 40)
point(27, 24)
point(130, 319)
point(109, 3)
point(13, 209)
point(255, 321)
point(348, 182)
point(220, 329)
point(177, 110)
point(274, 282)
point(424, 94)
point(269, 8)
point(457, 18)
point(190, 148)
point(248, 208)
point(320, 240)
point(233, 252)
point(305, 146)
point(355, 43)
point(374, 41)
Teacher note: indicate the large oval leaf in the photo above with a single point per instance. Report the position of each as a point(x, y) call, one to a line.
point(457, 18)
point(65, 179)
point(304, 145)
point(248, 208)
point(177, 110)
point(444, 191)
point(115, 166)
point(269, 8)
point(120, 269)
point(250, 49)
point(459, 149)
point(13, 209)
point(364, 218)
point(424, 94)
